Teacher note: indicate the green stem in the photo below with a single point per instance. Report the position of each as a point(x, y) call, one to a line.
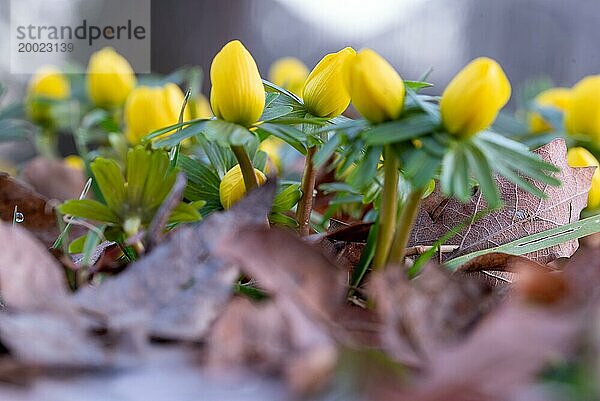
point(409, 212)
point(305, 203)
point(389, 207)
point(246, 166)
point(47, 143)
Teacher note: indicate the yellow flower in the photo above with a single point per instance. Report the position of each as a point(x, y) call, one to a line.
point(232, 187)
point(474, 97)
point(376, 89)
point(581, 157)
point(201, 107)
point(289, 73)
point(48, 83)
point(558, 98)
point(583, 114)
point(325, 93)
point(75, 162)
point(272, 147)
point(110, 78)
point(150, 108)
point(237, 93)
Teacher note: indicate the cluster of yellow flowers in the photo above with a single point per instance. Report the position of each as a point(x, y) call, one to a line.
point(580, 107)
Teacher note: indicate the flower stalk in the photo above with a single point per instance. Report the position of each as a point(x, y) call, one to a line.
point(305, 203)
point(408, 214)
point(389, 208)
point(246, 166)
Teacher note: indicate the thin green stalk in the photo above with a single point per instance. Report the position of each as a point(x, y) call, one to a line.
point(409, 212)
point(47, 143)
point(246, 166)
point(389, 207)
point(305, 203)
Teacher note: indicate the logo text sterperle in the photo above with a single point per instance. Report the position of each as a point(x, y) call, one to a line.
point(83, 32)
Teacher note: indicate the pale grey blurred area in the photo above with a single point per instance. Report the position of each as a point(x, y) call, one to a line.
point(530, 38)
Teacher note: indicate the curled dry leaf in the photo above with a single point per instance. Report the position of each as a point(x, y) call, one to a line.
point(498, 267)
point(53, 178)
point(523, 214)
point(37, 210)
point(180, 287)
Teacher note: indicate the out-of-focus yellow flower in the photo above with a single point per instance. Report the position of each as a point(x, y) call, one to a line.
point(581, 157)
point(472, 100)
point(272, 147)
point(583, 114)
point(289, 73)
point(325, 93)
point(558, 98)
point(201, 107)
point(110, 78)
point(232, 187)
point(150, 108)
point(48, 83)
point(376, 89)
point(237, 93)
point(75, 162)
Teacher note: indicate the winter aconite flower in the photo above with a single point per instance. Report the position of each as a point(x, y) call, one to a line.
point(583, 114)
point(376, 89)
point(557, 98)
point(472, 100)
point(325, 93)
point(150, 108)
point(272, 146)
point(232, 187)
point(581, 157)
point(47, 84)
point(289, 73)
point(237, 93)
point(74, 162)
point(110, 78)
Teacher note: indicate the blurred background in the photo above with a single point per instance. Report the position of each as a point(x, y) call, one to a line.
point(530, 38)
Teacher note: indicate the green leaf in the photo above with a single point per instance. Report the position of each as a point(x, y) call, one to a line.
point(326, 151)
point(283, 220)
point(480, 167)
point(417, 85)
point(169, 128)
point(538, 241)
point(272, 113)
point(366, 257)
point(367, 168)
point(14, 130)
point(401, 130)
point(185, 213)
point(76, 246)
point(292, 136)
point(181, 135)
point(92, 240)
point(287, 198)
point(89, 209)
point(420, 167)
point(110, 180)
point(271, 87)
point(226, 133)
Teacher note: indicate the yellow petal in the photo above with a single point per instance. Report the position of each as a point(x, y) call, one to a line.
point(110, 78)
point(558, 98)
point(150, 108)
point(272, 147)
point(583, 114)
point(376, 89)
point(237, 93)
point(325, 93)
point(201, 107)
point(581, 157)
point(472, 100)
point(75, 162)
point(289, 73)
point(232, 187)
point(48, 82)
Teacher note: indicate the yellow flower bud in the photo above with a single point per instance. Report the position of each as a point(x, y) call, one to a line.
point(150, 108)
point(289, 73)
point(201, 107)
point(583, 114)
point(48, 83)
point(237, 93)
point(75, 162)
point(558, 98)
point(376, 89)
point(272, 147)
point(474, 97)
point(110, 78)
point(325, 93)
point(581, 157)
point(232, 187)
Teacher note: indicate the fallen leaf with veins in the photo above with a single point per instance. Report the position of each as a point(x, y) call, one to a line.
point(523, 214)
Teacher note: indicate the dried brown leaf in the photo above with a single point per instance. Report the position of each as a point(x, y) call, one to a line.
point(37, 210)
point(180, 287)
point(53, 178)
point(522, 215)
